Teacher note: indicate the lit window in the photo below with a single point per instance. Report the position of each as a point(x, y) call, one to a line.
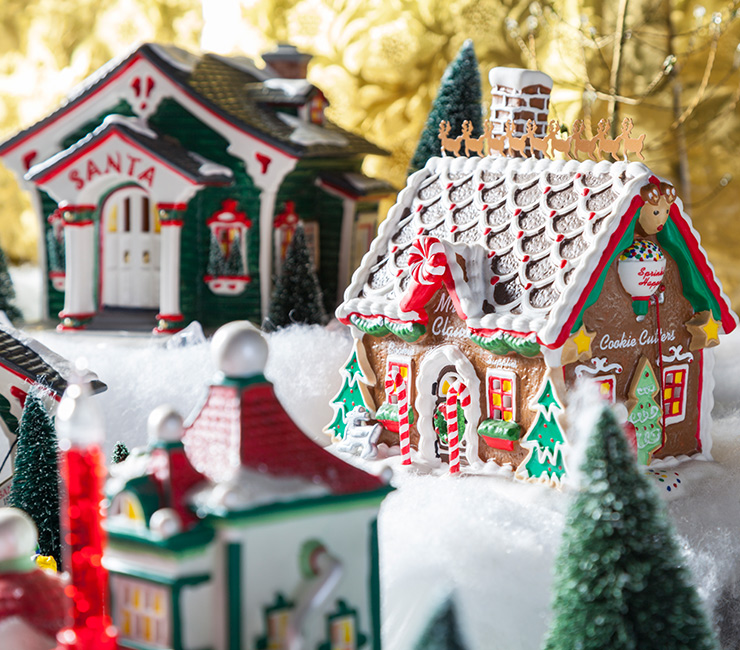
point(277, 619)
point(141, 611)
point(501, 389)
point(227, 271)
point(674, 393)
point(127, 506)
point(607, 385)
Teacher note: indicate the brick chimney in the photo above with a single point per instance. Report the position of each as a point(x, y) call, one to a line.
point(519, 95)
point(287, 62)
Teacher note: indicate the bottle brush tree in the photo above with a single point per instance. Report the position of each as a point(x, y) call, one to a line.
point(458, 99)
point(35, 487)
point(120, 453)
point(297, 297)
point(620, 581)
point(443, 631)
point(7, 292)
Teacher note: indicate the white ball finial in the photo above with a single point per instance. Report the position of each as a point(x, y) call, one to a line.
point(165, 424)
point(18, 537)
point(239, 350)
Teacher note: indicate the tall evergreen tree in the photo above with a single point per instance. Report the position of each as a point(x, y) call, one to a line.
point(234, 262)
point(620, 582)
point(35, 487)
point(297, 297)
point(443, 631)
point(7, 292)
point(458, 99)
point(216, 259)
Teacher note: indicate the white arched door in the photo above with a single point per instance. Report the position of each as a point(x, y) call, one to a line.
point(130, 250)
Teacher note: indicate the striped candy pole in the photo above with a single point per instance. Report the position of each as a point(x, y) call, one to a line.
point(403, 419)
point(457, 393)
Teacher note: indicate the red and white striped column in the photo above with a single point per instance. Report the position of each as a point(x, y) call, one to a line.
point(457, 394)
point(403, 419)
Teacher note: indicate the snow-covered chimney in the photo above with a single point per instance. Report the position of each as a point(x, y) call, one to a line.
point(519, 95)
point(287, 62)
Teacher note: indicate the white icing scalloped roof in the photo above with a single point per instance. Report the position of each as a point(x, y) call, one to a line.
point(530, 231)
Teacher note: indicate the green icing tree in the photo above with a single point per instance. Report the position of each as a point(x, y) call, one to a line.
point(216, 261)
point(620, 580)
point(234, 262)
point(349, 396)
point(297, 296)
point(458, 99)
point(443, 631)
point(35, 487)
point(120, 453)
point(7, 292)
point(644, 413)
point(545, 438)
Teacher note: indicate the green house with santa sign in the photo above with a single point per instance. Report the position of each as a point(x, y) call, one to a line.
point(173, 182)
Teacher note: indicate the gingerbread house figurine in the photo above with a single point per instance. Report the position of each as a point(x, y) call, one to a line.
point(237, 531)
point(496, 283)
point(158, 183)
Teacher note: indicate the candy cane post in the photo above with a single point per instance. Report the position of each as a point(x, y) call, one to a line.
point(457, 393)
point(403, 419)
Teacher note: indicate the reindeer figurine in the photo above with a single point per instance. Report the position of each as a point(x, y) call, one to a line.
point(474, 145)
point(451, 145)
point(631, 145)
point(558, 144)
point(658, 201)
point(518, 144)
point(606, 144)
point(536, 144)
point(582, 145)
point(495, 143)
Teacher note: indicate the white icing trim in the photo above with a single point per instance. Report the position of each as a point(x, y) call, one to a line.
point(673, 461)
point(431, 363)
point(518, 78)
point(291, 87)
point(677, 354)
point(707, 404)
point(308, 134)
point(598, 365)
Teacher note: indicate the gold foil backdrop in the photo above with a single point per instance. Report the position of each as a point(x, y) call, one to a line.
point(673, 66)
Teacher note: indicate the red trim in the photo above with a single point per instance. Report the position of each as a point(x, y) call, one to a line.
point(172, 222)
point(115, 130)
point(175, 318)
point(488, 333)
point(241, 278)
point(499, 443)
point(698, 403)
point(391, 425)
point(606, 254)
point(173, 330)
point(69, 328)
point(171, 206)
point(65, 314)
point(77, 208)
point(19, 394)
point(79, 224)
point(700, 259)
point(328, 187)
point(28, 380)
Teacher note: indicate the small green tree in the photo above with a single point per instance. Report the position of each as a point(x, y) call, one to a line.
point(620, 582)
point(443, 631)
point(234, 261)
point(35, 487)
point(458, 99)
point(354, 392)
point(297, 297)
point(216, 260)
point(120, 453)
point(644, 412)
point(7, 292)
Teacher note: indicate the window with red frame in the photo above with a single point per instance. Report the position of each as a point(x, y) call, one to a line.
point(501, 389)
point(674, 393)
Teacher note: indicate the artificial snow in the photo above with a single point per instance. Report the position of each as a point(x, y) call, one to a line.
point(490, 541)
point(307, 134)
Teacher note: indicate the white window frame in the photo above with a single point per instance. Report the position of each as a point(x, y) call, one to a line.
point(400, 361)
point(498, 373)
point(135, 603)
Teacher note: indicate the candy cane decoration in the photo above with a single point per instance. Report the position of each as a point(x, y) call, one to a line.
point(427, 265)
point(457, 392)
point(403, 419)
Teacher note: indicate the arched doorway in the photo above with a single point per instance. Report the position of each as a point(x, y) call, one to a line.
point(130, 250)
point(437, 370)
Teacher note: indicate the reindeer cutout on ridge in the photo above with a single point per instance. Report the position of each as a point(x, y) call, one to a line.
point(558, 144)
point(495, 143)
point(582, 144)
point(537, 144)
point(631, 145)
point(518, 144)
point(606, 144)
point(449, 144)
point(474, 145)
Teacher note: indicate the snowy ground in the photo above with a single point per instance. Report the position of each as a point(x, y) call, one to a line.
point(490, 541)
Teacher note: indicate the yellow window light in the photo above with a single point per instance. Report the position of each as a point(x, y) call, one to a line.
point(507, 385)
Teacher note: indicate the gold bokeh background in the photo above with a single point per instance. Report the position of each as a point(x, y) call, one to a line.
point(380, 62)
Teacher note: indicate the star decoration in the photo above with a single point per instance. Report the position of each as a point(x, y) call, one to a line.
point(704, 331)
point(578, 346)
